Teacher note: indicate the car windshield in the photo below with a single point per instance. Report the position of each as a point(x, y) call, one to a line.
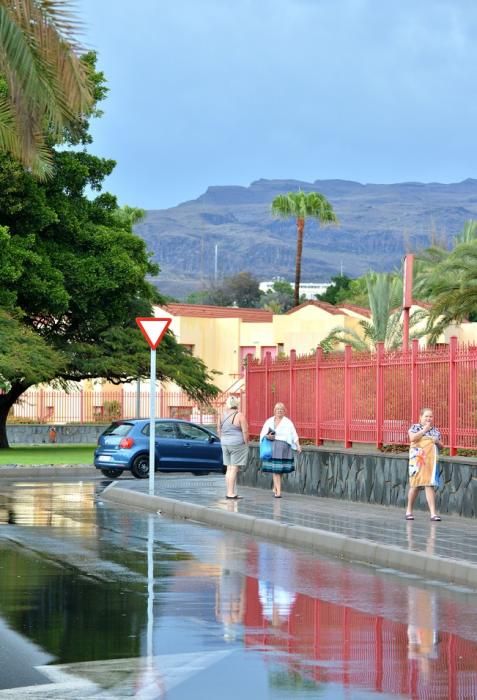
point(120, 429)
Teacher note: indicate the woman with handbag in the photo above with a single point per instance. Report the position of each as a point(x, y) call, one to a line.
point(281, 433)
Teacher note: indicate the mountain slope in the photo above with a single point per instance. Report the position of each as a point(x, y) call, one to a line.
point(378, 224)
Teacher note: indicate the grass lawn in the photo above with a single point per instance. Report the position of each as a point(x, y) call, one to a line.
point(48, 454)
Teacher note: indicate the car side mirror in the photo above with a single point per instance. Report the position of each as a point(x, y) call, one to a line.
point(212, 438)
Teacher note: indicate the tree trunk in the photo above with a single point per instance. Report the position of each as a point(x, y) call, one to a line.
point(300, 228)
point(6, 402)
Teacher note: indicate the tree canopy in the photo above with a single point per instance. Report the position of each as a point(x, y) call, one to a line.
point(73, 281)
point(241, 290)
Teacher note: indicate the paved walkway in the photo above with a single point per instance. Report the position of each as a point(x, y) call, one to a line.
point(447, 549)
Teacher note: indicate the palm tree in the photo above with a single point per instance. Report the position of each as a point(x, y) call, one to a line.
point(454, 289)
point(428, 264)
point(44, 86)
point(384, 296)
point(302, 205)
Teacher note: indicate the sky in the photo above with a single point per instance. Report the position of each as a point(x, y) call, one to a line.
point(225, 92)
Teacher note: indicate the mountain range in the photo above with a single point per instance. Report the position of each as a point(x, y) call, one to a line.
point(377, 225)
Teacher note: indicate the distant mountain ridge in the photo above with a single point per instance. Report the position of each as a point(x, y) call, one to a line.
point(377, 225)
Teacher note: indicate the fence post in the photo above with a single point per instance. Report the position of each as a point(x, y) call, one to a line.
point(267, 382)
point(248, 393)
point(347, 396)
point(414, 381)
point(453, 395)
point(318, 357)
point(379, 394)
point(81, 407)
point(292, 384)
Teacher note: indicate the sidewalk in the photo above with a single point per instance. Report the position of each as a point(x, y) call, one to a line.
point(377, 535)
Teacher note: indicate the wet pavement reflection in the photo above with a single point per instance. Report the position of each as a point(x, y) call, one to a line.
point(101, 602)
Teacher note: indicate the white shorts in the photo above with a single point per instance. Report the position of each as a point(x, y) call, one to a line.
point(235, 455)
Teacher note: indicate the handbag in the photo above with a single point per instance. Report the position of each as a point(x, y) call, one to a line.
point(265, 448)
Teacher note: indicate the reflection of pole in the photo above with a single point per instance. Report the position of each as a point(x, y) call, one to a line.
point(150, 587)
point(152, 423)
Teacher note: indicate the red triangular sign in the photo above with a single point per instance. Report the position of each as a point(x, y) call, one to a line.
point(153, 329)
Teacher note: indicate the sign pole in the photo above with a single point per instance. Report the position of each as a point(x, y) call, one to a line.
point(152, 423)
point(153, 329)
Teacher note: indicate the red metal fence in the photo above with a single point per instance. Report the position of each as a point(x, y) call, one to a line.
point(79, 406)
point(369, 397)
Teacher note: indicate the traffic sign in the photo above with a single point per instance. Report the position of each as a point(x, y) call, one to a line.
point(153, 329)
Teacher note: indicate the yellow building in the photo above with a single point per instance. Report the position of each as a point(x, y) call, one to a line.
point(223, 336)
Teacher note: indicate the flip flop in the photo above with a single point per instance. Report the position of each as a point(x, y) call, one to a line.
point(409, 516)
point(436, 518)
point(233, 498)
point(276, 496)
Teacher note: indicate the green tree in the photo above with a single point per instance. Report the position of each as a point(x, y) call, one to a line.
point(75, 279)
point(241, 290)
point(302, 206)
point(44, 86)
point(384, 297)
point(454, 289)
point(279, 298)
point(337, 290)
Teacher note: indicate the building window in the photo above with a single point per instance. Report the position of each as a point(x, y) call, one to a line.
point(189, 347)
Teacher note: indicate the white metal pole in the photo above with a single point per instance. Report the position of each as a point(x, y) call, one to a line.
point(152, 424)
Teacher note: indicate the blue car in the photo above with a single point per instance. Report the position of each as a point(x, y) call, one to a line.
point(180, 446)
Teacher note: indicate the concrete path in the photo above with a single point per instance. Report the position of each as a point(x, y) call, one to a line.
point(377, 535)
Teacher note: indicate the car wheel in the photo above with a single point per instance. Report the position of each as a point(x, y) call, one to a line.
point(224, 469)
point(112, 473)
point(140, 467)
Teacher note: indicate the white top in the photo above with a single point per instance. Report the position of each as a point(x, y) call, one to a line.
point(285, 431)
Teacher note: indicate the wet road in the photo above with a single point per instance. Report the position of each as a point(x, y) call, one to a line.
point(100, 602)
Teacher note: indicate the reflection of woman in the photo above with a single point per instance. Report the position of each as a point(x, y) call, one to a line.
point(282, 433)
point(230, 592)
point(233, 431)
point(422, 628)
point(425, 440)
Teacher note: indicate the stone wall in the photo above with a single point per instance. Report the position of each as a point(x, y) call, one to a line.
point(65, 434)
point(372, 477)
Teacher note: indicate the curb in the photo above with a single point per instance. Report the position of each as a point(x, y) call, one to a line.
point(331, 543)
point(17, 472)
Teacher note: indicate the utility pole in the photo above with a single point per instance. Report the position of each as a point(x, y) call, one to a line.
point(216, 261)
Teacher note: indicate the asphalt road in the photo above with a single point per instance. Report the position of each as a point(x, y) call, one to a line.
point(102, 602)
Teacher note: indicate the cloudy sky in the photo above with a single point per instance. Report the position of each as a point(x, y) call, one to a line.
point(222, 92)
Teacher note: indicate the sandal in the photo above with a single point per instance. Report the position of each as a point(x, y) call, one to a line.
point(436, 518)
point(409, 516)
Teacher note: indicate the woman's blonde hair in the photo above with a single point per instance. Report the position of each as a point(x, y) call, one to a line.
point(423, 410)
point(232, 402)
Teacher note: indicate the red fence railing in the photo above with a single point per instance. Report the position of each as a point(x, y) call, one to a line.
point(81, 406)
point(369, 397)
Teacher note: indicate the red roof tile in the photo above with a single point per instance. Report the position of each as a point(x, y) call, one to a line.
point(320, 304)
point(357, 309)
point(206, 311)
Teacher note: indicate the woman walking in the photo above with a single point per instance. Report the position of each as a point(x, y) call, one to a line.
point(282, 433)
point(233, 432)
point(425, 441)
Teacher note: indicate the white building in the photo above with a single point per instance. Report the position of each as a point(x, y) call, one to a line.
point(307, 289)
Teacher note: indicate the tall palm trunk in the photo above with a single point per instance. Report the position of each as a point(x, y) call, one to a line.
point(300, 228)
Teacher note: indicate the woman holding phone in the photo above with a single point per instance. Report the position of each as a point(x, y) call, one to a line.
point(282, 433)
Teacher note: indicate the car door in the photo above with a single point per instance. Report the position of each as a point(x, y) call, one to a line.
point(168, 451)
point(199, 452)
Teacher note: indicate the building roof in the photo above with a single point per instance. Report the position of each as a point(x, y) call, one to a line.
point(357, 309)
point(206, 311)
point(320, 305)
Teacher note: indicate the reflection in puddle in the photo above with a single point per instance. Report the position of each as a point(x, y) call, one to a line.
point(138, 606)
